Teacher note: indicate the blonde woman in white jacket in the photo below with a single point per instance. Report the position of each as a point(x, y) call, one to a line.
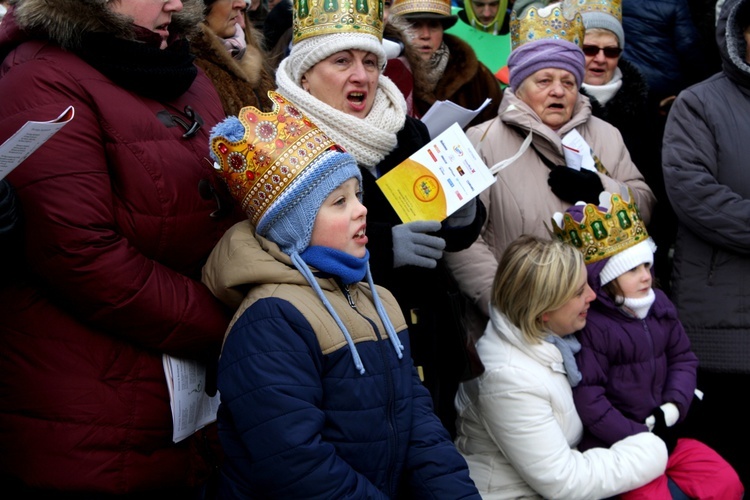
point(517, 423)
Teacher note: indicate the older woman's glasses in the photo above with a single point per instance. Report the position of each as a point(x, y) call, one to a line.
point(609, 52)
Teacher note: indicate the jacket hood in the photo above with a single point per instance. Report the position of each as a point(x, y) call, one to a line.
point(64, 22)
point(242, 259)
point(731, 42)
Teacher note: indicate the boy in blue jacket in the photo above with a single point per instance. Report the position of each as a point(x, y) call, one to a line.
point(319, 396)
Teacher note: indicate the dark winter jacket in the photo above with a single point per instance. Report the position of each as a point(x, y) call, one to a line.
point(427, 297)
point(297, 419)
point(117, 232)
point(628, 111)
point(663, 42)
point(466, 82)
point(708, 182)
point(630, 366)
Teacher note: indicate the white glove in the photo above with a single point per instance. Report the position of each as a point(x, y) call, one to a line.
point(671, 413)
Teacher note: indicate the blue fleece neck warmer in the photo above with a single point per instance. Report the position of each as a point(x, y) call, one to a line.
point(348, 268)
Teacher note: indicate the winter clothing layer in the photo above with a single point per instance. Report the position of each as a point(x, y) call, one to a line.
point(630, 366)
point(627, 111)
point(425, 295)
point(330, 432)
point(110, 281)
point(428, 297)
point(240, 83)
point(518, 428)
point(520, 201)
point(708, 183)
point(466, 82)
point(664, 44)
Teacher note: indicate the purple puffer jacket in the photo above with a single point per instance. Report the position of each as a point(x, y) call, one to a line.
point(630, 366)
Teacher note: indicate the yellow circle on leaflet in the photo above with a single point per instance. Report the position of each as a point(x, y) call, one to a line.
point(426, 188)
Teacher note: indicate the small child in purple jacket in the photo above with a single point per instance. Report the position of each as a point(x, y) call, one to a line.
point(637, 369)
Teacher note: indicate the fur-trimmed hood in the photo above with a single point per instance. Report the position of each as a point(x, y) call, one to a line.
point(65, 21)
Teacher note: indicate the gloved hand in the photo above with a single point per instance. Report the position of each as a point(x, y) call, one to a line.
point(575, 185)
point(463, 216)
point(412, 247)
point(666, 433)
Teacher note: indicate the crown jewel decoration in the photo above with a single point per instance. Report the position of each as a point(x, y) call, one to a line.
point(600, 235)
point(275, 148)
point(560, 21)
point(611, 7)
point(320, 17)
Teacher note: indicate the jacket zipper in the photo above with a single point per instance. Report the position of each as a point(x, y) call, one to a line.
point(390, 407)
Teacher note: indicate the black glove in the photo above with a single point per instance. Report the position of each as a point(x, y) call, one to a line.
point(575, 185)
point(667, 434)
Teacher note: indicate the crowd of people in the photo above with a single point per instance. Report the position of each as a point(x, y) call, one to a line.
point(578, 330)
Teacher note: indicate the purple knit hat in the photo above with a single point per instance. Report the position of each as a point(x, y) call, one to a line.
point(547, 53)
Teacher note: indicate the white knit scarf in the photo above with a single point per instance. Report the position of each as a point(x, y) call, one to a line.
point(368, 139)
point(603, 93)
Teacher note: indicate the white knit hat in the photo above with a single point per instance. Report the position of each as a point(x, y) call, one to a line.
point(626, 260)
point(308, 52)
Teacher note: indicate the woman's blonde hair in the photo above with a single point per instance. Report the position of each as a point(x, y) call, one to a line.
point(535, 276)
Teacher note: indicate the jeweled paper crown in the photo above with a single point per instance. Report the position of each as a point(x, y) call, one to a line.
point(275, 148)
point(600, 235)
point(555, 21)
point(611, 7)
point(406, 7)
point(320, 17)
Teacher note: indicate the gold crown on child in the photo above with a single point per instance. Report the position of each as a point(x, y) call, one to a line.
point(555, 21)
point(603, 234)
point(275, 148)
point(321, 17)
point(611, 7)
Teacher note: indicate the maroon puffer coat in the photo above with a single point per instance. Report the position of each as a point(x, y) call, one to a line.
point(116, 234)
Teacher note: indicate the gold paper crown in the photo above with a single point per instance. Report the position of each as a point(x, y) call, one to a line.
point(406, 7)
point(275, 148)
point(555, 21)
point(611, 7)
point(603, 234)
point(321, 17)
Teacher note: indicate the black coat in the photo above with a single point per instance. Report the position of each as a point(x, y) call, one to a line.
point(426, 296)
